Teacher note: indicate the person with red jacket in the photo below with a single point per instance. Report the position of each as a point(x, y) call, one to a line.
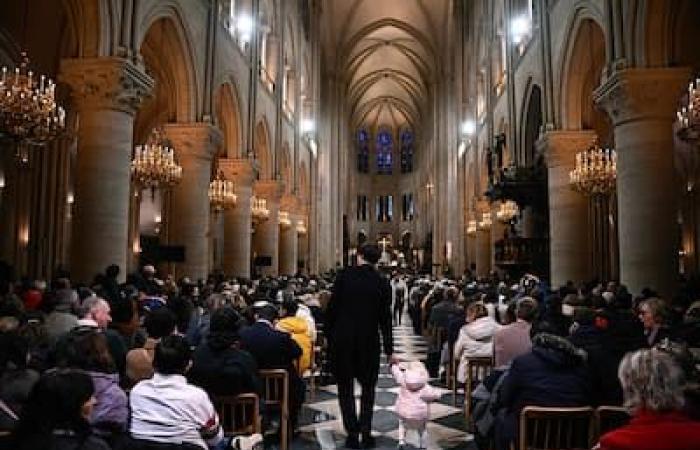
point(653, 385)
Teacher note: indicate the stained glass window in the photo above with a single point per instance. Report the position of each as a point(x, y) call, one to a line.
point(363, 151)
point(385, 146)
point(406, 151)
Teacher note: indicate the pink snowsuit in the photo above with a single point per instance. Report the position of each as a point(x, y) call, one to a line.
point(415, 393)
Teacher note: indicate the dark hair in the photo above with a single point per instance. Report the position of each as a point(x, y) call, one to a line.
point(290, 307)
point(526, 309)
point(370, 253)
point(223, 328)
point(159, 323)
point(267, 312)
point(55, 402)
point(14, 349)
point(123, 310)
point(172, 355)
point(85, 348)
point(112, 271)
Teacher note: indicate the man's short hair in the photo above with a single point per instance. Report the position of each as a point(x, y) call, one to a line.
point(91, 303)
point(160, 323)
point(370, 253)
point(526, 309)
point(172, 356)
point(267, 312)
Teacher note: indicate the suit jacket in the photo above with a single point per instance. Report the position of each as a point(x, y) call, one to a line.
point(271, 348)
point(358, 310)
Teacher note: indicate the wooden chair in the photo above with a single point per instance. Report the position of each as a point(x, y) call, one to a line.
point(607, 418)
point(543, 428)
point(239, 414)
point(276, 397)
point(478, 368)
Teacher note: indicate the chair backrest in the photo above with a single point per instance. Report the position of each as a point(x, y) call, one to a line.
point(607, 418)
point(276, 395)
point(478, 368)
point(239, 414)
point(543, 428)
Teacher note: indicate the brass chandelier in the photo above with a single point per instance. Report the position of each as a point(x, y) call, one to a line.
point(689, 116)
point(258, 208)
point(221, 195)
point(154, 164)
point(507, 211)
point(472, 228)
point(301, 227)
point(595, 171)
point(486, 221)
point(29, 113)
point(284, 220)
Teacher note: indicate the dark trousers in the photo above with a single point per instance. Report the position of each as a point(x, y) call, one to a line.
point(346, 398)
point(398, 311)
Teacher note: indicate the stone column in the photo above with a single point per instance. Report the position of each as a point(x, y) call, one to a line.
point(568, 209)
point(483, 252)
point(107, 92)
point(266, 240)
point(237, 220)
point(288, 238)
point(642, 105)
point(189, 221)
point(497, 230)
point(471, 250)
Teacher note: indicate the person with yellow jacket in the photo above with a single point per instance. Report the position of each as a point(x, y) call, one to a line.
point(299, 329)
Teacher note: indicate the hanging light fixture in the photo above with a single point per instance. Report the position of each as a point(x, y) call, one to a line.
point(284, 220)
point(486, 222)
point(29, 113)
point(507, 211)
point(221, 195)
point(689, 114)
point(154, 163)
point(595, 171)
point(301, 227)
point(258, 209)
point(471, 228)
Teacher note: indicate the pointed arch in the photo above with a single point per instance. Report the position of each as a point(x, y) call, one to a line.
point(229, 119)
point(263, 154)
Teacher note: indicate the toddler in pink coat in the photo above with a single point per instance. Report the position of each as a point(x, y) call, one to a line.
point(412, 402)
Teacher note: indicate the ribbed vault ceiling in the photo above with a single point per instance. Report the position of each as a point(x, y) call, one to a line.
point(386, 52)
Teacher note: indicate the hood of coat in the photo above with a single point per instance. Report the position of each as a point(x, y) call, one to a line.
point(294, 325)
point(482, 329)
point(415, 379)
point(557, 351)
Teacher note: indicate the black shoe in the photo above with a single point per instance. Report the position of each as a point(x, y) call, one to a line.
point(352, 441)
point(368, 441)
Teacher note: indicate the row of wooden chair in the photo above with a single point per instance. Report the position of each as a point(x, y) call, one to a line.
point(544, 428)
point(240, 414)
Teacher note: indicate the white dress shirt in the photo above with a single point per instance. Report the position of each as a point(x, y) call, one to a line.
point(167, 409)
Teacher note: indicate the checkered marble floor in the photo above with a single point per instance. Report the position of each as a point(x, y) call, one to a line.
point(321, 426)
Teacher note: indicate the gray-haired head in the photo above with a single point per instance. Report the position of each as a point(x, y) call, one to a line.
point(651, 380)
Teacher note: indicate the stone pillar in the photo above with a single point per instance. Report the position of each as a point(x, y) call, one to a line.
point(642, 105)
point(107, 92)
point(497, 230)
point(189, 221)
point(483, 252)
point(266, 240)
point(568, 209)
point(288, 237)
point(471, 250)
point(237, 220)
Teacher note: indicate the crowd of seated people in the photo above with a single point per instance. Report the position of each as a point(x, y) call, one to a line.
point(140, 364)
point(148, 357)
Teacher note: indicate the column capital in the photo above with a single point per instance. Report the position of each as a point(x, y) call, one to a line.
point(560, 146)
point(289, 203)
point(271, 190)
point(196, 139)
point(106, 83)
point(637, 94)
point(239, 170)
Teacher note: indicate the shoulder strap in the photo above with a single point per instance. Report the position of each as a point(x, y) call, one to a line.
point(7, 410)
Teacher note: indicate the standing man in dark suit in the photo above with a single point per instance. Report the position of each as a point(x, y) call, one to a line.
point(274, 349)
point(358, 310)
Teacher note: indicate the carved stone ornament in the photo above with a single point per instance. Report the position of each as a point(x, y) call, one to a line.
point(560, 147)
point(240, 170)
point(639, 94)
point(270, 190)
point(194, 139)
point(106, 83)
